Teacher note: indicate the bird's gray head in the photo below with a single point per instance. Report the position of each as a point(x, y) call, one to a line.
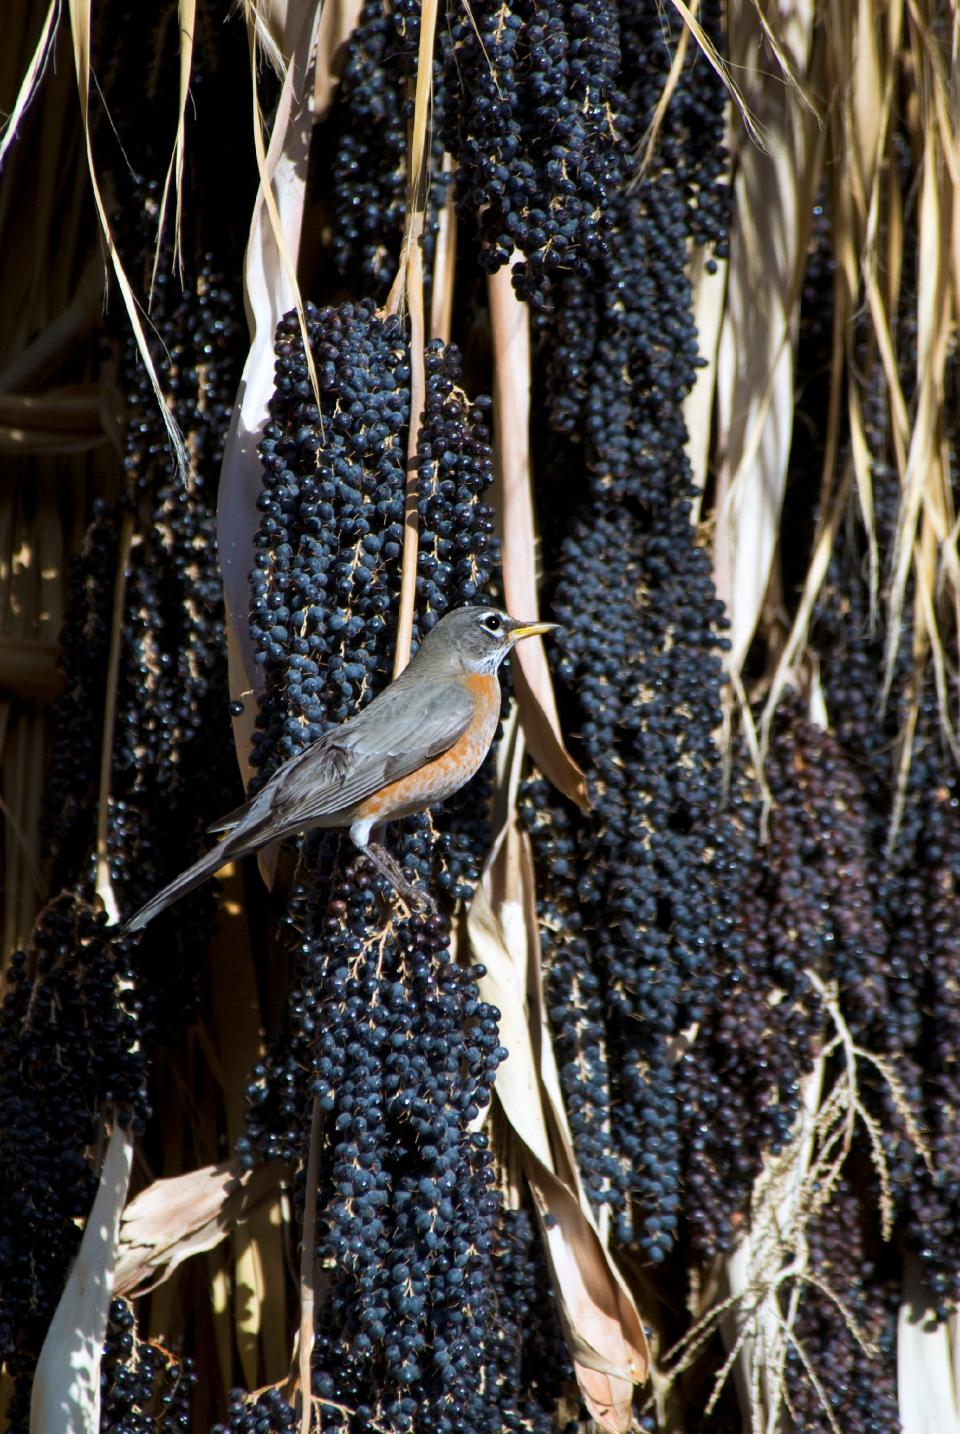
point(476, 639)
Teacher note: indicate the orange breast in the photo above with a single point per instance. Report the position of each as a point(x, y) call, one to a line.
point(442, 776)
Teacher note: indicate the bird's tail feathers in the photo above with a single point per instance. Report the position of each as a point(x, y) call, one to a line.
point(188, 880)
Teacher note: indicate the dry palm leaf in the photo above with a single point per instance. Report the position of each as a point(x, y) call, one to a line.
point(66, 1385)
point(407, 289)
point(269, 291)
point(774, 193)
point(688, 15)
point(929, 1401)
point(188, 21)
point(709, 300)
point(510, 324)
point(32, 78)
point(444, 262)
point(184, 1215)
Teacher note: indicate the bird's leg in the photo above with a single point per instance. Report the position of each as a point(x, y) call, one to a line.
point(388, 867)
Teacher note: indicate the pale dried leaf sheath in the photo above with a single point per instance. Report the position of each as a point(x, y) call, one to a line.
point(308, 1255)
point(268, 292)
point(413, 287)
point(181, 1216)
point(517, 1082)
point(709, 301)
point(599, 1319)
point(444, 263)
point(510, 325)
point(773, 201)
point(66, 1386)
point(558, 1124)
point(926, 1358)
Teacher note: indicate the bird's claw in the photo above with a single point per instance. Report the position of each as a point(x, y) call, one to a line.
point(416, 900)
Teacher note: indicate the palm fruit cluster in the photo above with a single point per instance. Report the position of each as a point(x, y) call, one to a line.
point(143, 1387)
point(534, 130)
point(638, 896)
point(892, 960)
point(384, 1035)
point(852, 1348)
point(368, 176)
point(883, 943)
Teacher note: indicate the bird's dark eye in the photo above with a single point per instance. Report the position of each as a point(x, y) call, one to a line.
point(493, 623)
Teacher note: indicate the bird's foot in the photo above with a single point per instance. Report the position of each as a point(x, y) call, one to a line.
point(414, 897)
point(414, 902)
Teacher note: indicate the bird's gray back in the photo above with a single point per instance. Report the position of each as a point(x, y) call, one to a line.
point(409, 723)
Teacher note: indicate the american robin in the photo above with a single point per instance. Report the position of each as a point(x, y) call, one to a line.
point(415, 744)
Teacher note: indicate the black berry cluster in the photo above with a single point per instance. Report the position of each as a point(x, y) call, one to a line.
point(638, 898)
point(327, 579)
point(404, 1062)
point(384, 1031)
point(144, 1389)
point(534, 129)
point(370, 123)
point(69, 1048)
point(850, 1345)
point(641, 933)
point(887, 817)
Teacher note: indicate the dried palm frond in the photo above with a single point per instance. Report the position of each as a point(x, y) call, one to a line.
point(774, 194)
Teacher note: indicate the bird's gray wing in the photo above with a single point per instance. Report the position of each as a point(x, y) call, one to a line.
point(404, 727)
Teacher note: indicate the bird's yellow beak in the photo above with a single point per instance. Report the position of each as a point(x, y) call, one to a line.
point(532, 629)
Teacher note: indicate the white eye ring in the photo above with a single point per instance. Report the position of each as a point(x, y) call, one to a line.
point(493, 623)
